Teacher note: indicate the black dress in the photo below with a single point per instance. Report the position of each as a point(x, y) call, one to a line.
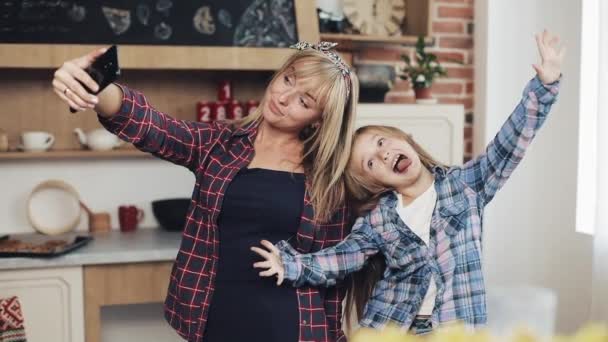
point(259, 204)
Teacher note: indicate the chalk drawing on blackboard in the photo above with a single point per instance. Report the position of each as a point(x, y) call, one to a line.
point(203, 21)
point(143, 14)
point(163, 6)
point(77, 13)
point(267, 23)
point(225, 18)
point(163, 31)
point(118, 19)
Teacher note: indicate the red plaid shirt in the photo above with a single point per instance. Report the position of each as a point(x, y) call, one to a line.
point(215, 153)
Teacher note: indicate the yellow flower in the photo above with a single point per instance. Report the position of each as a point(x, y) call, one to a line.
point(389, 334)
point(523, 335)
point(591, 333)
point(458, 333)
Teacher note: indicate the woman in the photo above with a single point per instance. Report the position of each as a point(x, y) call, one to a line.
point(277, 173)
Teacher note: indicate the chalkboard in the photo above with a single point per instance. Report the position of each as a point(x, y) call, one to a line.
point(250, 23)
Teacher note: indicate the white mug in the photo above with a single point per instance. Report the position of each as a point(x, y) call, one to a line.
point(36, 141)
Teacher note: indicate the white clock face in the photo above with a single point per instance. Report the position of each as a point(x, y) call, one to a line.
point(375, 17)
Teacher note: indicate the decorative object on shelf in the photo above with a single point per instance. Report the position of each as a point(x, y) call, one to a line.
point(375, 80)
point(129, 216)
point(227, 107)
point(3, 141)
point(171, 213)
point(98, 222)
point(251, 106)
point(224, 90)
point(375, 17)
point(219, 110)
point(45, 206)
point(332, 7)
point(331, 23)
point(235, 110)
point(36, 141)
point(421, 72)
point(203, 111)
point(98, 139)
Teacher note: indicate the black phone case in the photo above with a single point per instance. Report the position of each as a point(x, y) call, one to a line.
point(104, 70)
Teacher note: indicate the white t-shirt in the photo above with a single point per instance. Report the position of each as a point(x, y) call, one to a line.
point(417, 216)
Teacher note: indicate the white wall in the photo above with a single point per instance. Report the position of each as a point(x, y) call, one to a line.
point(600, 250)
point(102, 184)
point(530, 237)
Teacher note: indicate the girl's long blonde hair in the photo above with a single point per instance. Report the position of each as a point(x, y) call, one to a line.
point(326, 149)
point(363, 195)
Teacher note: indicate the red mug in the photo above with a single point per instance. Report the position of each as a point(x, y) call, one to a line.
point(129, 217)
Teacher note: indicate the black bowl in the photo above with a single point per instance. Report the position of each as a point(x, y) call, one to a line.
point(171, 213)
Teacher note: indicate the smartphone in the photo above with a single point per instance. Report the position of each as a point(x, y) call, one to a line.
point(103, 71)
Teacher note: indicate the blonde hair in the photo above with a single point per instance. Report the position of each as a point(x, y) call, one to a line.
point(327, 149)
point(364, 192)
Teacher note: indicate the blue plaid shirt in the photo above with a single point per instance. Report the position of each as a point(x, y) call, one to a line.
point(453, 255)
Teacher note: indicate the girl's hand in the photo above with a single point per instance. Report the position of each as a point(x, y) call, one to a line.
point(551, 56)
point(67, 87)
point(272, 263)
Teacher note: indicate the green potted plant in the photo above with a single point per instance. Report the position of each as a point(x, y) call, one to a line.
point(422, 71)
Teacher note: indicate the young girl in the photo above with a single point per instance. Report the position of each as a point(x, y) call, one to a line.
point(423, 219)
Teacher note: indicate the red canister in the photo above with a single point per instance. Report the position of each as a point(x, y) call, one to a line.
point(203, 111)
point(219, 111)
point(235, 110)
point(224, 91)
point(252, 105)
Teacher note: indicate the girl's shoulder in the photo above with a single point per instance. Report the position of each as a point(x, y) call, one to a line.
point(443, 171)
point(380, 213)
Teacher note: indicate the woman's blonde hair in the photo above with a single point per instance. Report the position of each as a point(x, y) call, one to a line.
point(326, 149)
point(363, 195)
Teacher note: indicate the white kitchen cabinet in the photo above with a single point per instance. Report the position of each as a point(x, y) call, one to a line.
point(51, 300)
point(439, 129)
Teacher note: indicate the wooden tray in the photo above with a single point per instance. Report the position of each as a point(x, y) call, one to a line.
point(73, 243)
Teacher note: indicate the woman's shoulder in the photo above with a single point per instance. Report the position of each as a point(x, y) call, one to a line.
point(241, 128)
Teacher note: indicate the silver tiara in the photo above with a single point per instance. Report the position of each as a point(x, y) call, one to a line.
point(327, 49)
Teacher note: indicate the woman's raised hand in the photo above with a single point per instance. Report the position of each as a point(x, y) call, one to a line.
point(67, 86)
point(272, 263)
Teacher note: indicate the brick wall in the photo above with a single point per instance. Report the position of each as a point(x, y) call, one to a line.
point(452, 30)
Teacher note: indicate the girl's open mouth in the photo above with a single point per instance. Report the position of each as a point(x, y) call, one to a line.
point(401, 164)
